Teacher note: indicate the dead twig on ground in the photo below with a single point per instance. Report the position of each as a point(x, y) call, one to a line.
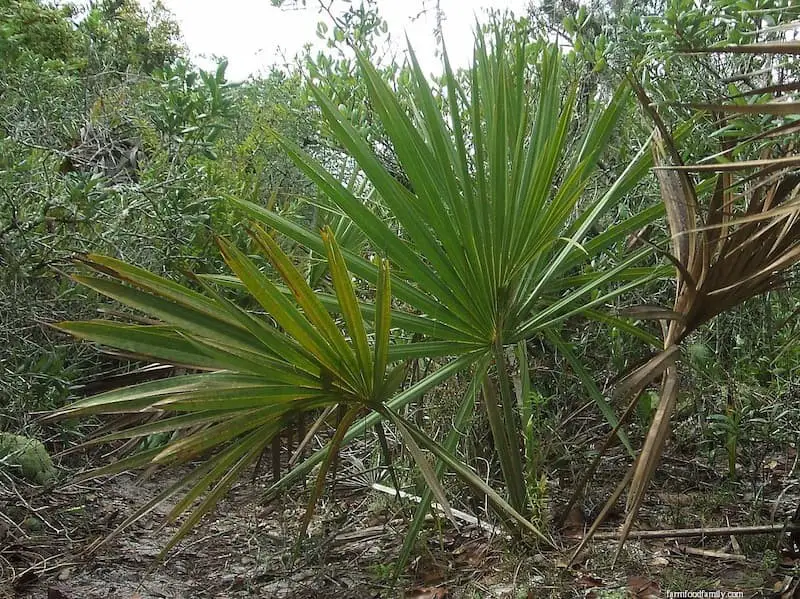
point(714, 554)
point(702, 532)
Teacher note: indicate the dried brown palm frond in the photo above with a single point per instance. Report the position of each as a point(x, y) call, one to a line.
point(737, 244)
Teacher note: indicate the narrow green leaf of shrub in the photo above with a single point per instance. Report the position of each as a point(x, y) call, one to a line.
point(349, 307)
point(383, 315)
point(461, 425)
point(467, 475)
point(277, 306)
point(591, 387)
point(226, 470)
point(313, 309)
point(423, 464)
point(333, 453)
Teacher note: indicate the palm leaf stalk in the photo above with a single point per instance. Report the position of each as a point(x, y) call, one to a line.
point(740, 245)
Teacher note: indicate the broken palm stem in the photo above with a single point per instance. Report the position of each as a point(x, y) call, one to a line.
point(458, 514)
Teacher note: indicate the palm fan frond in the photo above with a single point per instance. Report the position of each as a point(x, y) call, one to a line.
point(734, 244)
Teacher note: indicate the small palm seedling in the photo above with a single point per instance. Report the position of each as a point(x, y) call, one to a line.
point(256, 372)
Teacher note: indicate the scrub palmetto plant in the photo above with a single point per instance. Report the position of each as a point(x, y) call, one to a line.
point(737, 244)
point(492, 247)
point(259, 373)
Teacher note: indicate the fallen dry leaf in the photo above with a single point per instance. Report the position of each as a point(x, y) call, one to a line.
point(587, 581)
point(575, 522)
point(428, 593)
point(643, 588)
point(659, 561)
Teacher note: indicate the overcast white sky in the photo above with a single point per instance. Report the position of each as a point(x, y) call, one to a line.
point(252, 33)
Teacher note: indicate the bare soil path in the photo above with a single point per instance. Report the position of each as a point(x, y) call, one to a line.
point(246, 549)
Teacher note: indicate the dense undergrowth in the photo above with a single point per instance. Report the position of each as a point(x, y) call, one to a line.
point(458, 270)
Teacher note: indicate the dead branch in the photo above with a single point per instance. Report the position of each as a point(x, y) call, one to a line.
point(703, 532)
